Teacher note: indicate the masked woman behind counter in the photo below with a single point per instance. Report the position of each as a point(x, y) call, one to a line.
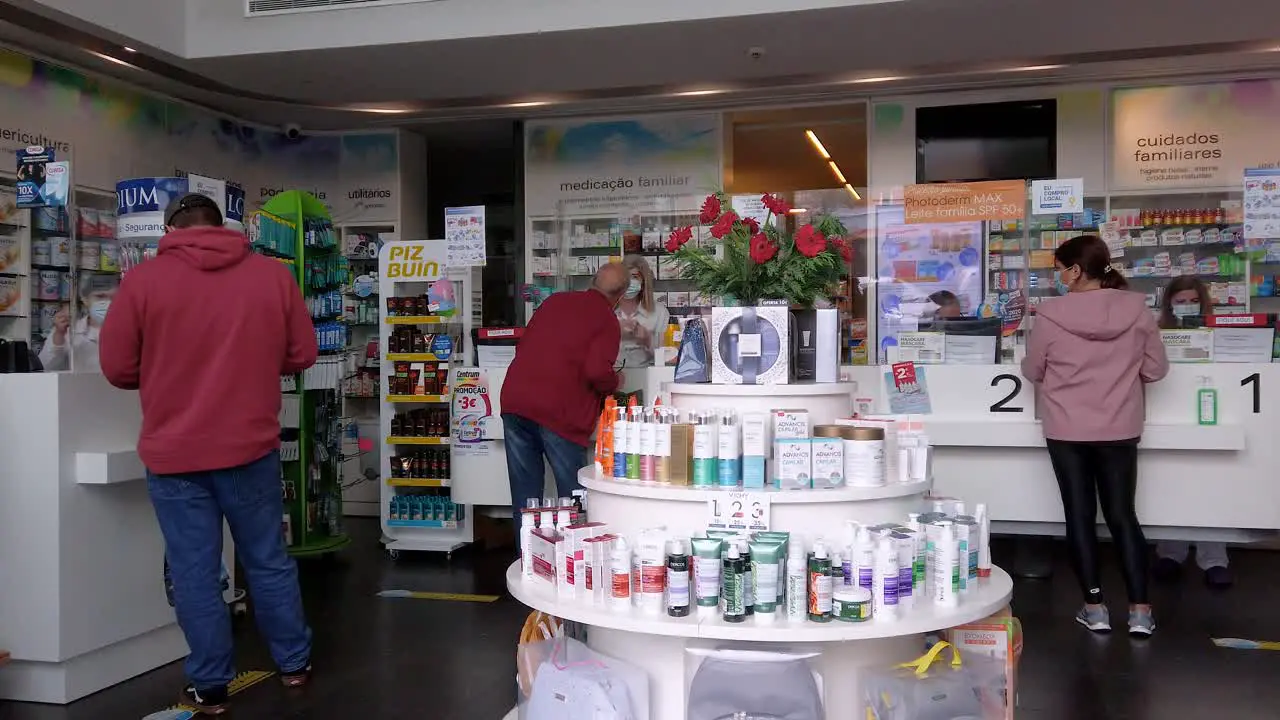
point(1186, 297)
point(641, 320)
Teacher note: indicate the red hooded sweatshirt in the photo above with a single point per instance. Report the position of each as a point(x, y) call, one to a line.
point(204, 331)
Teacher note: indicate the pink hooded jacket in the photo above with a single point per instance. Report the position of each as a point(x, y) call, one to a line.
point(1090, 354)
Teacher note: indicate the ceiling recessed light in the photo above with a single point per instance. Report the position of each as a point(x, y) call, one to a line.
point(381, 110)
point(1032, 68)
point(126, 48)
point(817, 144)
point(528, 104)
point(108, 58)
point(696, 93)
point(878, 79)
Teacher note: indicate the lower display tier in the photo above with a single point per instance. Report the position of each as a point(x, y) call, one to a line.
point(660, 645)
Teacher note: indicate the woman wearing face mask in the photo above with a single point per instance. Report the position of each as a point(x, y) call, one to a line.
point(1186, 297)
point(639, 317)
point(1090, 353)
point(80, 339)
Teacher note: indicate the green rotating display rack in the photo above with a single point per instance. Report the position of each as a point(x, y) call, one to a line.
point(311, 484)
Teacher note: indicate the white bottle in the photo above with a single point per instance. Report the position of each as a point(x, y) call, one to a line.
point(797, 585)
point(620, 577)
point(864, 559)
point(564, 516)
point(527, 519)
point(884, 593)
point(946, 580)
point(984, 540)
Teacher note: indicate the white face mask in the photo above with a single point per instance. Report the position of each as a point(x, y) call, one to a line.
point(1186, 310)
point(98, 310)
point(633, 289)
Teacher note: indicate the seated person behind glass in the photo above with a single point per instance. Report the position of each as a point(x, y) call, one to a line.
point(1184, 297)
point(948, 305)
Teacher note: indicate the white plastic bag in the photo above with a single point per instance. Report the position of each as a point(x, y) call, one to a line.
point(577, 683)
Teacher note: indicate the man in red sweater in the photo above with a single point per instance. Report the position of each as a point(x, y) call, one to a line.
point(554, 388)
point(204, 331)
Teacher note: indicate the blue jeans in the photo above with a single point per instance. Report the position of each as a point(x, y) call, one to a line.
point(190, 508)
point(527, 443)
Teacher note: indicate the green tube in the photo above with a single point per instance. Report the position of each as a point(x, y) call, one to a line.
point(784, 539)
point(707, 566)
point(766, 568)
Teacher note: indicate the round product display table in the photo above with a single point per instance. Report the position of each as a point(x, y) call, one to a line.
point(658, 643)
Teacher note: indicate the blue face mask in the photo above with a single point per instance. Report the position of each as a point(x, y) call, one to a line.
point(633, 289)
point(1182, 310)
point(98, 310)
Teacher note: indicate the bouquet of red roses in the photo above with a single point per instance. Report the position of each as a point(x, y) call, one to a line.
point(755, 262)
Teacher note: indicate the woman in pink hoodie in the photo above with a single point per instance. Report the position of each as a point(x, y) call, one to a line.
point(1090, 353)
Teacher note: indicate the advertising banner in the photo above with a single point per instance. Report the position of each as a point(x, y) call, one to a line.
point(30, 174)
point(998, 200)
point(1052, 197)
point(1193, 136)
point(637, 164)
point(464, 234)
point(140, 205)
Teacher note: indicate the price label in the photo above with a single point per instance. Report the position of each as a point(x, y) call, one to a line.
point(738, 512)
point(904, 376)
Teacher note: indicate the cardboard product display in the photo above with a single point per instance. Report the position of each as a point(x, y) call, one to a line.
point(815, 345)
point(751, 345)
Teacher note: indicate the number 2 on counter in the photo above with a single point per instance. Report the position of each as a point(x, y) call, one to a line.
point(1256, 381)
point(1002, 405)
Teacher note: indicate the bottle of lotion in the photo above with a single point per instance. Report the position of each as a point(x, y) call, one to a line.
point(621, 429)
point(677, 580)
point(946, 569)
point(819, 584)
point(865, 558)
point(884, 595)
point(797, 587)
point(528, 519)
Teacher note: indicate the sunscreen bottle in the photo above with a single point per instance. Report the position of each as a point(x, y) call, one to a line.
point(984, 540)
point(946, 583)
point(797, 587)
point(819, 584)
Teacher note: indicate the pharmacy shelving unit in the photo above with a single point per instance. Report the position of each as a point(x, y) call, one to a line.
point(45, 253)
point(361, 388)
point(311, 453)
point(658, 643)
point(426, 483)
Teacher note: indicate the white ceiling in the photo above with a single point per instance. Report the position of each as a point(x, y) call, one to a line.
point(936, 43)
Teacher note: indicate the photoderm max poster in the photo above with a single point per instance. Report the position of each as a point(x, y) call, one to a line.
point(1193, 136)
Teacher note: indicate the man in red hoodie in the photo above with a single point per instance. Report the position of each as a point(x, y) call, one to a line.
point(204, 331)
point(553, 390)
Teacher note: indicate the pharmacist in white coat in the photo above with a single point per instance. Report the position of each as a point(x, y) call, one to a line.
point(75, 345)
point(641, 320)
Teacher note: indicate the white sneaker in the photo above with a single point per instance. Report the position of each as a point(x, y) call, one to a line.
point(1141, 623)
point(1095, 617)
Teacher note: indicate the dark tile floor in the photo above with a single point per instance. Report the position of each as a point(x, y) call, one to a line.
point(385, 658)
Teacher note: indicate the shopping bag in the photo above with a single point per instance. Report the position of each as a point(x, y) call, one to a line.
point(966, 687)
point(537, 639)
point(693, 361)
point(577, 683)
point(998, 637)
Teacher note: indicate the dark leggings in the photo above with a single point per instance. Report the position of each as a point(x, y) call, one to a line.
point(1090, 473)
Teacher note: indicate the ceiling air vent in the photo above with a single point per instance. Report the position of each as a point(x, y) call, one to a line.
point(256, 8)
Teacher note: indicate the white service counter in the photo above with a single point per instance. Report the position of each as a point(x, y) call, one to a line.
point(1195, 482)
point(82, 602)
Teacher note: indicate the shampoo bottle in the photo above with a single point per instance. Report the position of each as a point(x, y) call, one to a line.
point(705, 450)
point(734, 590)
point(621, 428)
point(729, 446)
point(917, 534)
point(633, 440)
point(677, 580)
point(865, 558)
point(620, 577)
point(819, 584)
point(884, 595)
point(648, 445)
point(797, 588)
point(662, 446)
